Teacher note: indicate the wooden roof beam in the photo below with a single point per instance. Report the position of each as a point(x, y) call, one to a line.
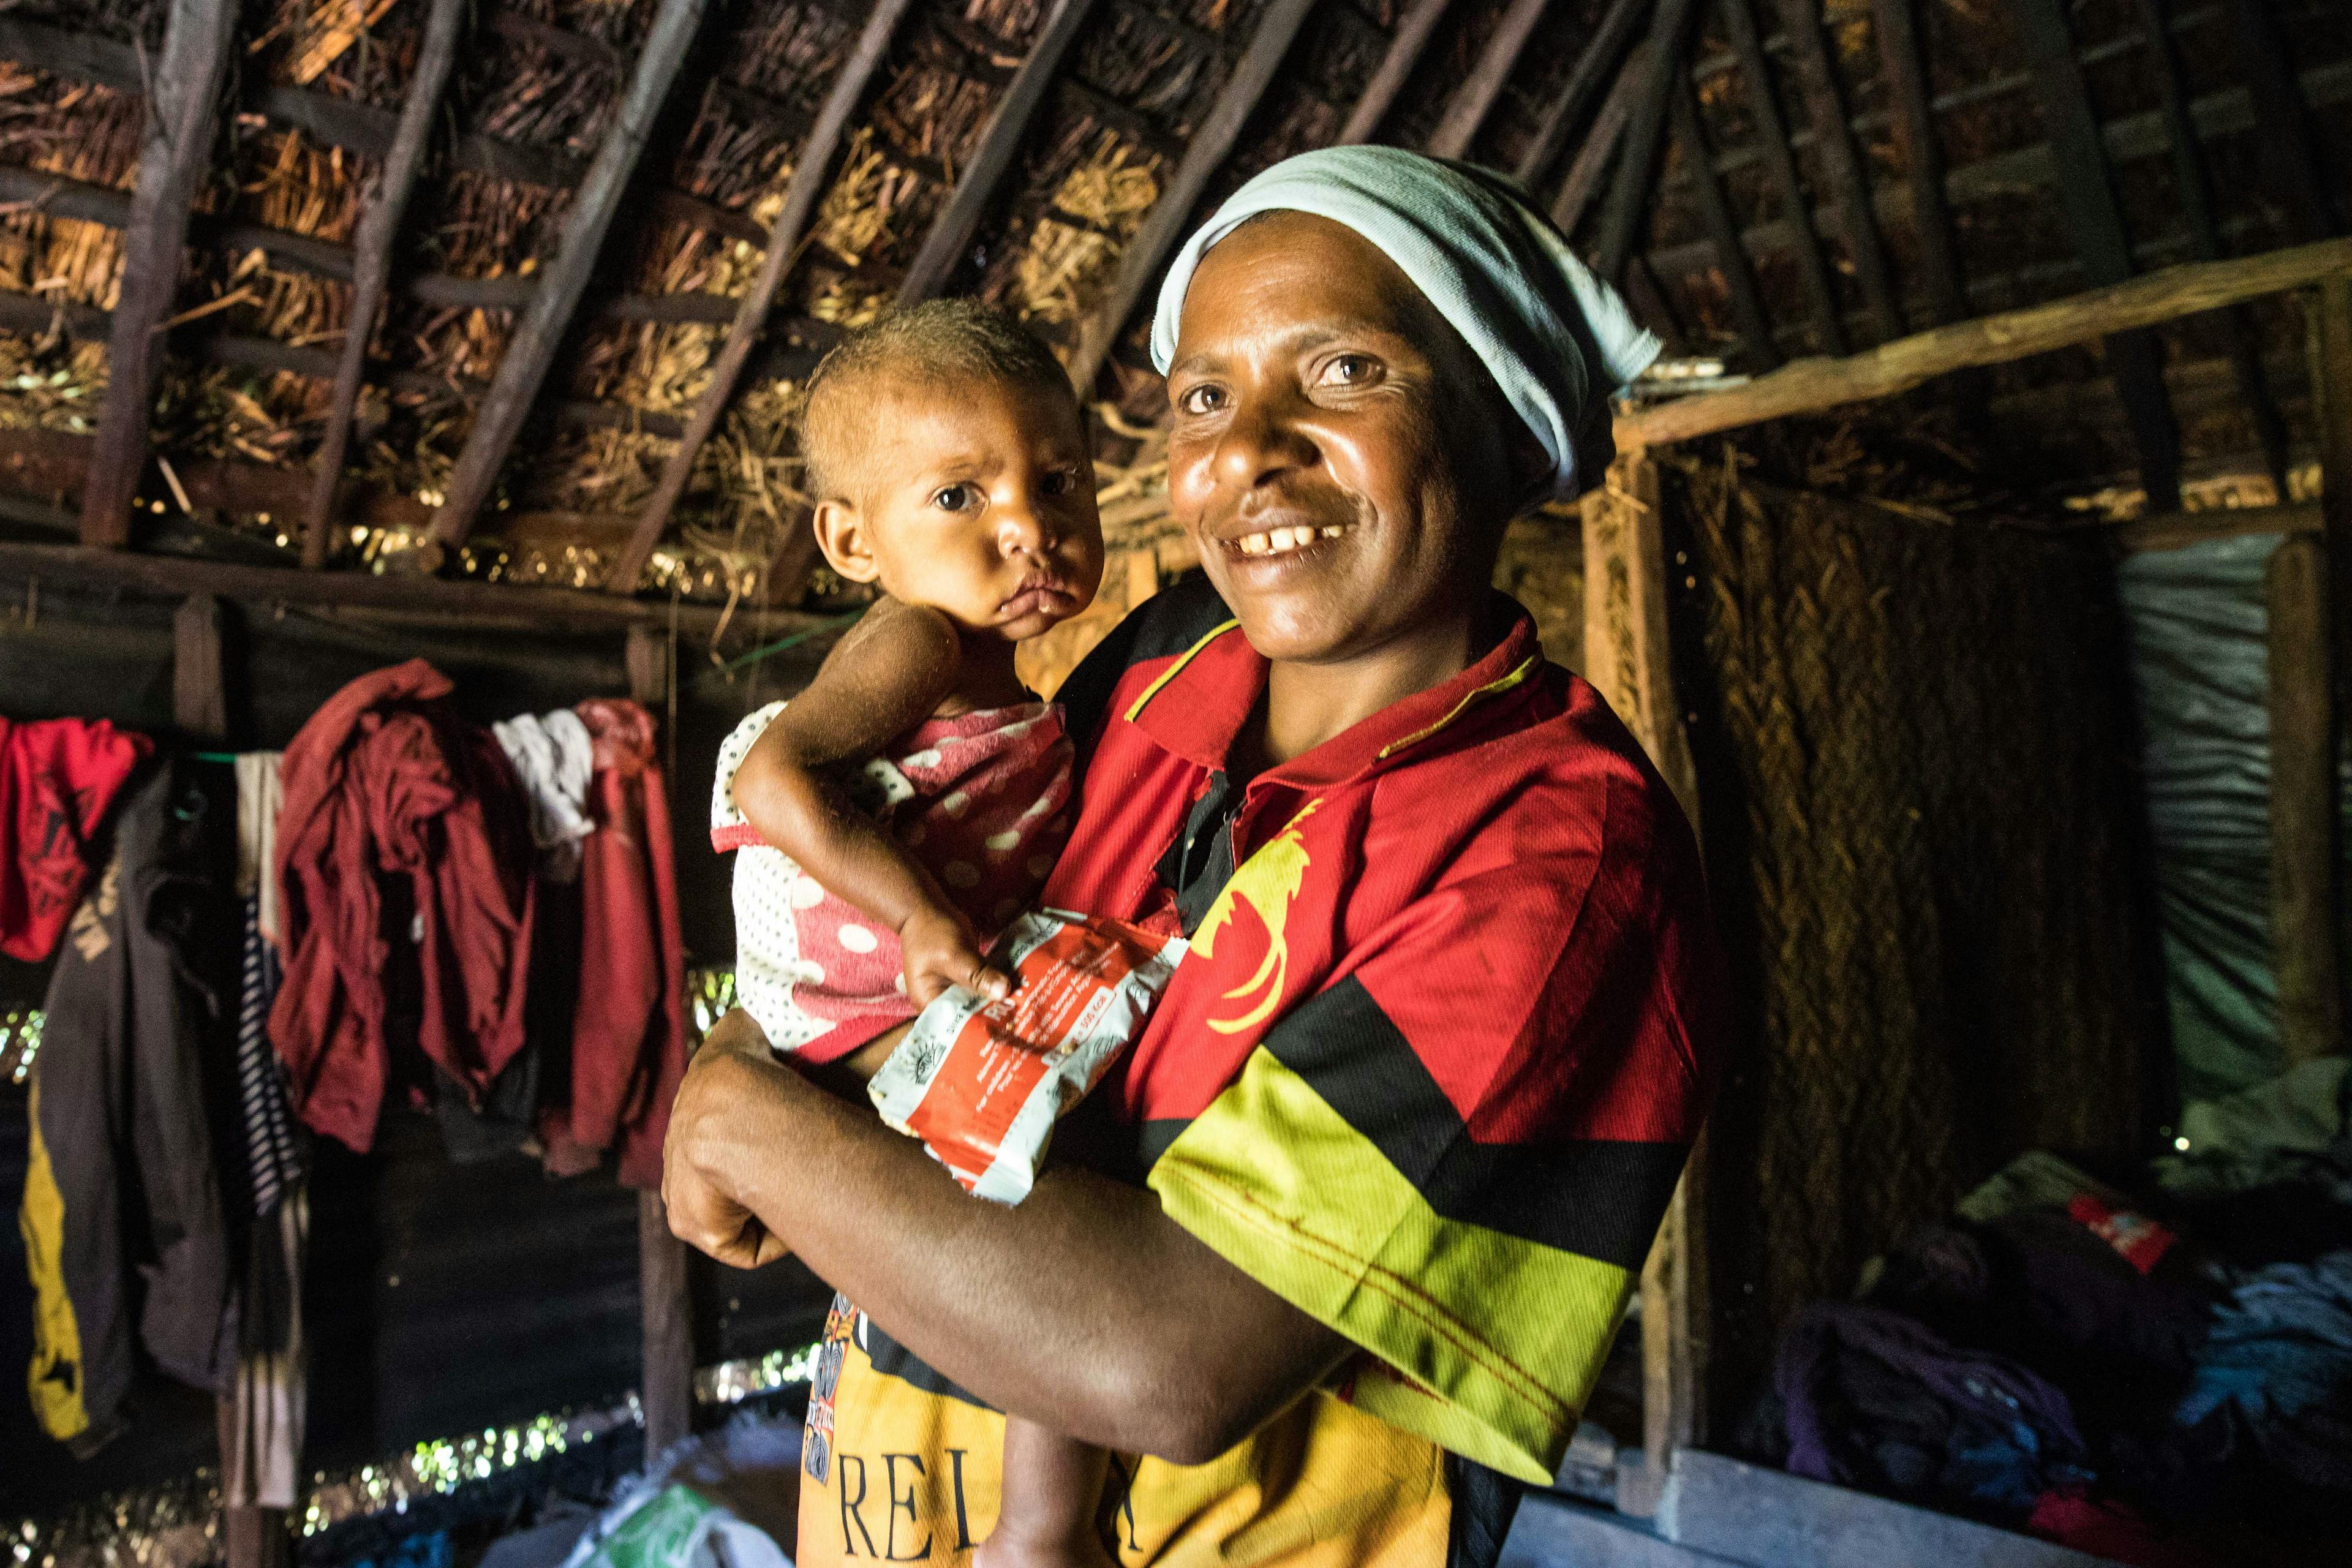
point(1009, 125)
point(811, 172)
point(1629, 205)
point(2291, 157)
point(1406, 46)
point(1603, 52)
point(1722, 231)
point(1814, 385)
point(531, 353)
point(1140, 263)
point(2088, 201)
point(1841, 161)
point(176, 154)
point(2193, 191)
point(379, 227)
point(1467, 110)
point(1780, 168)
point(1582, 182)
point(1904, 66)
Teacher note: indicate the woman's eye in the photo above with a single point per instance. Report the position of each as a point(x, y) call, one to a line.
point(1350, 370)
point(955, 497)
point(1200, 400)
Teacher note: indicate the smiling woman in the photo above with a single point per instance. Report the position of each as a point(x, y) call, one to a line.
point(1337, 1253)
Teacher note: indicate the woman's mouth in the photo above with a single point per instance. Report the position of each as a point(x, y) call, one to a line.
point(1284, 540)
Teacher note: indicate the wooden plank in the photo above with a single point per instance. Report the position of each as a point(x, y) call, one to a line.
point(1722, 231)
point(379, 227)
point(2193, 191)
point(1801, 23)
point(2134, 360)
point(1780, 168)
point(479, 603)
point(1009, 125)
point(1406, 46)
point(811, 172)
point(1811, 385)
point(2291, 158)
point(531, 353)
point(1630, 205)
point(1582, 182)
point(2303, 803)
point(1140, 263)
point(1467, 110)
point(200, 670)
point(1551, 1531)
point(173, 160)
point(2180, 529)
point(1903, 64)
point(1603, 52)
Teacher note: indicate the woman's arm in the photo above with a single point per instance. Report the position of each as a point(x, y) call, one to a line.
point(886, 677)
point(1083, 1307)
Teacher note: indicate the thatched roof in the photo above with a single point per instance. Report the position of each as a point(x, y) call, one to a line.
point(599, 183)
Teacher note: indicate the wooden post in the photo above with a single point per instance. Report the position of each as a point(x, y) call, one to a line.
point(1800, 22)
point(1164, 226)
point(1404, 51)
point(662, 1288)
point(1903, 65)
point(1564, 116)
point(1723, 232)
point(1582, 181)
point(172, 164)
point(530, 353)
point(1627, 658)
point(1771, 138)
point(379, 227)
point(810, 170)
point(2303, 804)
point(1628, 211)
point(1472, 101)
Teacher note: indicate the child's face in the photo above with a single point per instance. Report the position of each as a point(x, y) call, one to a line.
point(980, 504)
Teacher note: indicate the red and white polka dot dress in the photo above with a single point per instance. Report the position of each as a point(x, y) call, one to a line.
point(980, 801)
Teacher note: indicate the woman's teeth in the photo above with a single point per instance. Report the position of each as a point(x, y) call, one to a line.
point(1280, 541)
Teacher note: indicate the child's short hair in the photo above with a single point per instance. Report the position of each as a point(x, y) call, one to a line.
point(939, 341)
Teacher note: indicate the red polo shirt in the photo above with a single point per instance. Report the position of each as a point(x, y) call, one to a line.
point(1450, 1021)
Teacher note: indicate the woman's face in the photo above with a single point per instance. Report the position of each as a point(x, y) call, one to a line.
point(1341, 461)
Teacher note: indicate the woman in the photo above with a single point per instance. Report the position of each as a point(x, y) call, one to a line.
point(1364, 1206)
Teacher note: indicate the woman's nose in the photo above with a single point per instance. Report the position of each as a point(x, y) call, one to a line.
point(1260, 441)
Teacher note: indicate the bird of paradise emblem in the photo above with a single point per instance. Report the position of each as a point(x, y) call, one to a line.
point(1268, 882)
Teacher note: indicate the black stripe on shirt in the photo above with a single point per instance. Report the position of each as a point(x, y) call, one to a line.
point(1163, 626)
point(1600, 1198)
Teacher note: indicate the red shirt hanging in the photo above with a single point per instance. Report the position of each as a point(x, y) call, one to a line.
point(57, 778)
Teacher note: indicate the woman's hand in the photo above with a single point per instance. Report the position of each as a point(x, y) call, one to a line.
point(732, 1064)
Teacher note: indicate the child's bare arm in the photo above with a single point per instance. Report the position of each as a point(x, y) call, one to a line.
point(888, 674)
point(1052, 1491)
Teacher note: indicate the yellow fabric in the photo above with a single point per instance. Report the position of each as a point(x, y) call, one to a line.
point(55, 1377)
point(1496, 1340)
point(913, 1478)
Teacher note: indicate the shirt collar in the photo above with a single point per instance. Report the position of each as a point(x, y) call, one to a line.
point(1197, 705)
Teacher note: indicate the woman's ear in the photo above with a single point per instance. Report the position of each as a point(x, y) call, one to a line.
point(841, 534)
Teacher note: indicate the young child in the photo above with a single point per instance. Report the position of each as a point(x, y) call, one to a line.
point(894, 816)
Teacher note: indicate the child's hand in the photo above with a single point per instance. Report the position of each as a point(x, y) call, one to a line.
point(940, 951)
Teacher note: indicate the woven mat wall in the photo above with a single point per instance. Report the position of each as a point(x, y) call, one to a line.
point(1928, 857)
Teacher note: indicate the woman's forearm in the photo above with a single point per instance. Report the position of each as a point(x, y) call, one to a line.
point(1084, 1308)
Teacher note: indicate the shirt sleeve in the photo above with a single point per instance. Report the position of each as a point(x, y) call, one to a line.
point(1456, 1154)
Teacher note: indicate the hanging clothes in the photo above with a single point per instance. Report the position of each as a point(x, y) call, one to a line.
point(260, 800)
point(121, 1182)
point(554, 759)
point(57, 779)
point(387, 779)
point(628, 1036)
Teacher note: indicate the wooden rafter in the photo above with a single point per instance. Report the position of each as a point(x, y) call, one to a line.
point(1780, 168)
point(1467, 110)
point(1016, 114)
point(1800, 22)
point(1630, 192)
point(1140, 263)
point(530, 353)
point(1903, 65)
point(2290, 151)
point(2086, 197)
point(379, 227)
point(173, 162)
point(1406, 46)
point(1603, 52)
point(1722, 231)
point(1812, 385)
point(1582, 182)
point(811, 172)
point(2193, 191)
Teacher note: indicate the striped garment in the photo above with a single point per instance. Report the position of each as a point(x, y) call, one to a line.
point(272, 1151)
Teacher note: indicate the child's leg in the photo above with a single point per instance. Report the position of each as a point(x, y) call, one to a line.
point(1052, 1488)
